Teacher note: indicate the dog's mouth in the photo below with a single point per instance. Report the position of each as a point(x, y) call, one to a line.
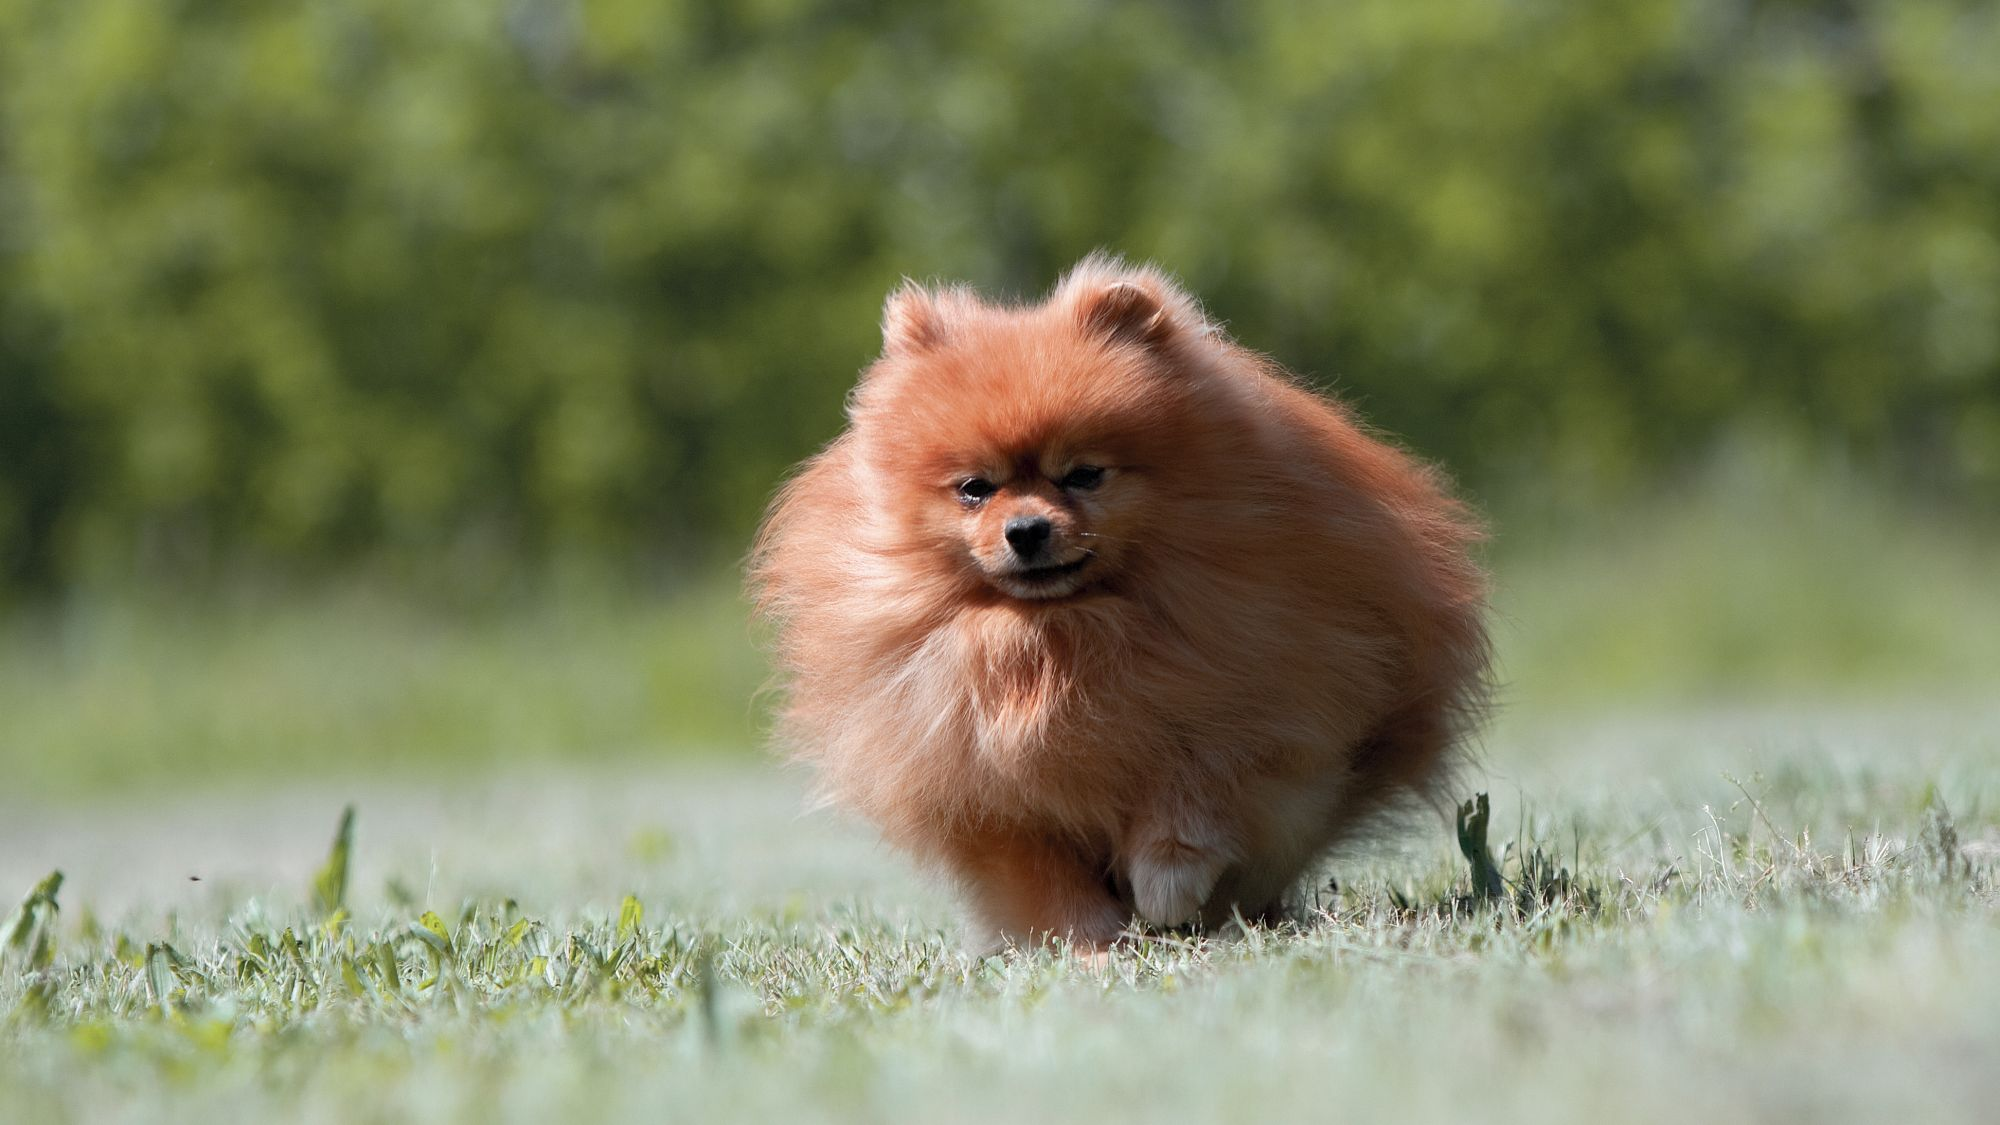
point(1052, 581)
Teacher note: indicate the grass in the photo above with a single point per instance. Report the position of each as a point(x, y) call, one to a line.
point(1745, 822)
point(1748, 588)
point(1689, 949)
point(121, 692)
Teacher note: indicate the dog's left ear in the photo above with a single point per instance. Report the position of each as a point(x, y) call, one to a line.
point(1126, 311)
point(1130, 304)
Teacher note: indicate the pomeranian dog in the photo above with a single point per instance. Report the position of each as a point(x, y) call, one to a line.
point(1103, 615)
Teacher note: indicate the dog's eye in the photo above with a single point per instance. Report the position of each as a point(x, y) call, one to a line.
point(975, 490)
point(1083, 478)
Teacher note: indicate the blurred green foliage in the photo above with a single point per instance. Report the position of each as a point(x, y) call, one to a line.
point(464, 280)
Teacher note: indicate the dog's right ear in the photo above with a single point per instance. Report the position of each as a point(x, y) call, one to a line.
point(914, 320)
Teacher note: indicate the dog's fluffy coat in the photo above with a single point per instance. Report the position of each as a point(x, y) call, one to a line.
point(1253, 626)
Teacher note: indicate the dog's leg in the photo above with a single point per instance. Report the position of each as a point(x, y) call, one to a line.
point(1173, 862)
point(1026, 888)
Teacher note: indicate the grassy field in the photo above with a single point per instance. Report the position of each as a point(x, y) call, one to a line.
point(1746, 799)
point(1820, 943)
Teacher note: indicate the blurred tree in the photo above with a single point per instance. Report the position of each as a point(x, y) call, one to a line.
point(473, 281)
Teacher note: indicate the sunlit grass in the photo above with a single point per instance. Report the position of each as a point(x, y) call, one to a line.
point(1750, 587)
point(1708, 952)
point(130, 690)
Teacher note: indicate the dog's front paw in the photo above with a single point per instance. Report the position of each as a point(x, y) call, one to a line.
point(1171, 879)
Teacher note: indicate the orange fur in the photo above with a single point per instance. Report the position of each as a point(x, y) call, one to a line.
point(1256, 628)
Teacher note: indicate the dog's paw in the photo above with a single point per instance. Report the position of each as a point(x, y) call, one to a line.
point(1171, 879)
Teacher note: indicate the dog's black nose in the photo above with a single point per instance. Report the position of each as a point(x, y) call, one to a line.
point(1027, 535)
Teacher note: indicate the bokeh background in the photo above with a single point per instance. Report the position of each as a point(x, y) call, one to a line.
point(394, 387)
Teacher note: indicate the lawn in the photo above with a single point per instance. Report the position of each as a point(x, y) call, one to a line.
point(1745, 799)
point(1819, 942)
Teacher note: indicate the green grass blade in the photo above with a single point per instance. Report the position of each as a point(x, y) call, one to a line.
point(329, 887)
point(27, 931)
point(1473, 817)
point(630, 915)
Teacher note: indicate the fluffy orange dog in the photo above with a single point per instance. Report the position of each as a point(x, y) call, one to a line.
point(1103, 614)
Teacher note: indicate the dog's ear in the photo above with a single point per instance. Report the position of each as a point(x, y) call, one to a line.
point(1131, 304)
point(1124, 310)
point(914, 320)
